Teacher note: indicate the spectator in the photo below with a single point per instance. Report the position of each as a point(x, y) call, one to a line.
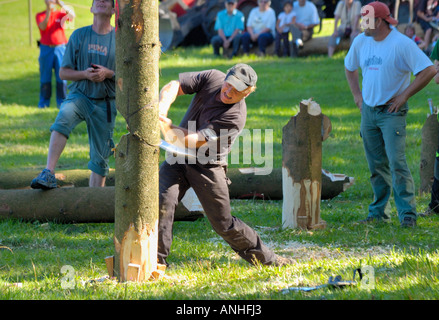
point(307, 18)
point(229, 24)
point(427, 14)
point(261, 25)
point(387, 60)
point(348, 13)
point(89, 62)
point(285, 20)
point(410, 32)
point(52, 47)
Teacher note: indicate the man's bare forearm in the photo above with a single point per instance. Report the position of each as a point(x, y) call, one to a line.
point(354, 84)
point(72, 75)
point(168, 94)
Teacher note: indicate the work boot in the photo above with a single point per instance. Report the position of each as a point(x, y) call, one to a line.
point(45, 180)
point(408, 222)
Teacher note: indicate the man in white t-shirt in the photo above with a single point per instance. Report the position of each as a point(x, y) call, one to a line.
point(387, 59)
point(307, 17)
point(261, 24)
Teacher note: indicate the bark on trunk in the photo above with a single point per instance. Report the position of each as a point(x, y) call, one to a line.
point(76, 205)
point(429, 145)
point(137, 154)
point(302, 167)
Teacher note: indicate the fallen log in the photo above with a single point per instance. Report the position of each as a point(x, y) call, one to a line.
point(246, 182)
point(76, 205)
point(64, 178)
point(319, 45)
point(250, 183)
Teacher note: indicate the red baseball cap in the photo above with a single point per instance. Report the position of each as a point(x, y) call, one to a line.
point(378, 10)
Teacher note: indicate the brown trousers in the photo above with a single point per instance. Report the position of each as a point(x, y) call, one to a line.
point(210, 183)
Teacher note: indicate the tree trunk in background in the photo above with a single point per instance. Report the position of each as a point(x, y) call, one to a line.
point(429, 144)
point(137, 154)
point(302, 167)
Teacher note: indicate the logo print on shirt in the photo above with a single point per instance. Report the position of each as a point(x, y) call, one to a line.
point(373, 61)
point(95, 48)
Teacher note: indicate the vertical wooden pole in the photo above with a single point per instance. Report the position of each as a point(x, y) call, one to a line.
point(302, 167)
point(137, 154)
point(29, 7)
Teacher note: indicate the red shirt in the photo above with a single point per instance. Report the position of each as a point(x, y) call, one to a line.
point(54, 33)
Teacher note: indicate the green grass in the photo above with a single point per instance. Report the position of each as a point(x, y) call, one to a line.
point(405, 261)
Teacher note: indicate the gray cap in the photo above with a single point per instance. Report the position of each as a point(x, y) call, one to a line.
point(241, 76)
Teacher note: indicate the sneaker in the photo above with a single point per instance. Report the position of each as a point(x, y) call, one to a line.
point(408, 222)
point(45, 180)
point(282, 261)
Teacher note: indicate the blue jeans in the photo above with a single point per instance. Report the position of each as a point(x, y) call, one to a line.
point(264, 40)
point(217, 43)
point(384, 137)
point(282, 38)
point(77, 108)
point(50, 58)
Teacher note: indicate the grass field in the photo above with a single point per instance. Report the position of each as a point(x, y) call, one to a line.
point(404, 261)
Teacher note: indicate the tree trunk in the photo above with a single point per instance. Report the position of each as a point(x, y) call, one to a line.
point(137, 154)
point(76, 205)
point(302, 167)
point(246, 182)
point(429, 145)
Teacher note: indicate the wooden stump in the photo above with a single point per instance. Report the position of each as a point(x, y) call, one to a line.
point(429, 145)
point(302, 167)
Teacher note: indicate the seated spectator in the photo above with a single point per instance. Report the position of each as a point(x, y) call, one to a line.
point(410, 32)
point(229, 24)
point(307, 18)
point(427, 14)
point(348, 13)
point(261, 25)
point(285, 20)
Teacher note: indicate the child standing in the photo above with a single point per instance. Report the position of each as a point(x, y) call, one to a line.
point(285, 20)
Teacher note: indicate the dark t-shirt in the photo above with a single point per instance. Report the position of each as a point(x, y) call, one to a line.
point(211, 117)
point(433, 7)
point(86, 47)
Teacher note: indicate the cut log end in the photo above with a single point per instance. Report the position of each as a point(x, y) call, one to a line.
point(313, 107)
point(135, 261)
